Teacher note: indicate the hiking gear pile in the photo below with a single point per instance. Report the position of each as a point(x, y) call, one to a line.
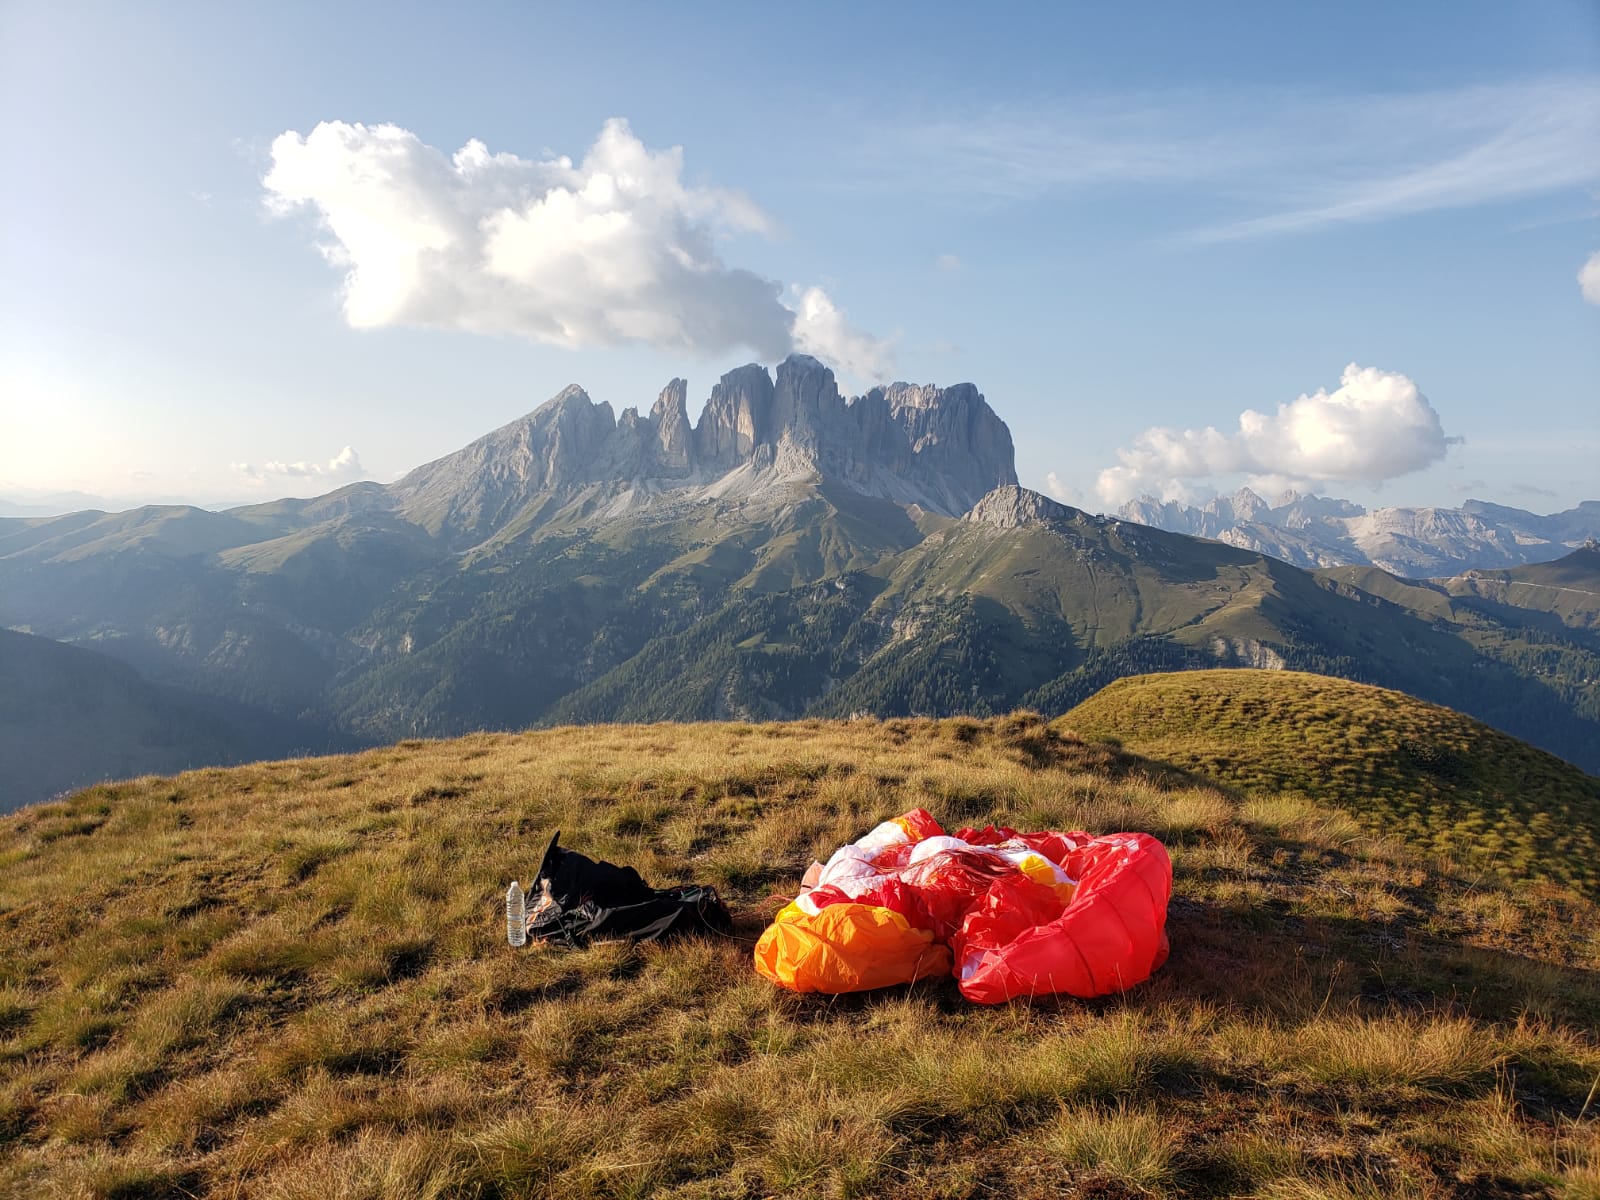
point(1009, 914)
point(576, 899)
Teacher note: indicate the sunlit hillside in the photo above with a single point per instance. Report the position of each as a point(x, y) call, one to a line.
point(1398, 764)
point(291, 980)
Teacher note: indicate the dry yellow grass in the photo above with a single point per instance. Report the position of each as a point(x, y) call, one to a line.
point(290, 980)
point(1445, 782)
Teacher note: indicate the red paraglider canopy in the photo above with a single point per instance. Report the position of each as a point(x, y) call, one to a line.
point(1010, 914)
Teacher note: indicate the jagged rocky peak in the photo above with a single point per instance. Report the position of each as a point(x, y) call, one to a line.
point(1243, 505)
point(917, 395)
point(1323, 531)
point(953, 432)
point(519, 449)
point(1152, 510)
point(674, 435)
point(1013, 507)
point(576, 435)
point(674, 398)
point(567, 397)
point(736, 419)
point(806, 405)
point(1296, 511)
point(941, 448)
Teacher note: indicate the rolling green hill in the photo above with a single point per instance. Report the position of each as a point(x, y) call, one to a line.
point(290, 980)
point(1569, 588)
point(1401, 766)
point(1041, 606)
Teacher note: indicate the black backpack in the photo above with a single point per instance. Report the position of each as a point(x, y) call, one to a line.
point(601, 900)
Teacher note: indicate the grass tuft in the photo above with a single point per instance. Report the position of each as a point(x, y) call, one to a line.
point(1124, 1145)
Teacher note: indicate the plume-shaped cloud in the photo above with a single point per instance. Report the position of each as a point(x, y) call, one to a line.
point(821, 329)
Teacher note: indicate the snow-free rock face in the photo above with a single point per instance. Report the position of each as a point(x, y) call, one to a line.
point(1319, 531)
point(1013, 507)
point(475, 490)
point(673, 452)
point(941, 448)
point(955, 434)
point(736, 419)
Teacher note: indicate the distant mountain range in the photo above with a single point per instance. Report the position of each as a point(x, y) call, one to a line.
point(47, 504)
point(795, 552)
point(1317, 531)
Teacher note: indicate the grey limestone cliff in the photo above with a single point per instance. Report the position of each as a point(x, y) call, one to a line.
point(941, 448)
point(1013, 507)
point(1318, 531)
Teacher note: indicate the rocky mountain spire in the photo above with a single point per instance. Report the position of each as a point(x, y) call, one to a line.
point(941, 448)
point(673, 453)
point(735, 420)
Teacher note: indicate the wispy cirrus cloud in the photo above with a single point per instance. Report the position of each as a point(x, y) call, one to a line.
point(1288, 163)
point(1454, 150)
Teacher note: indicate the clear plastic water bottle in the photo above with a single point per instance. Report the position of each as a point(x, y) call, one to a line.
point(516, 915)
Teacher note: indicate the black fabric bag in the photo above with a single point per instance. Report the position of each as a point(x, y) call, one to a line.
point(601, 900)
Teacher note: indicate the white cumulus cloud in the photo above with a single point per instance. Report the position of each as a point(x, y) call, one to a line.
point(1060, 489)
point(1376, 425)
point(1589, 279)
point(611, 250)
point(820, 329)
point(344, 467)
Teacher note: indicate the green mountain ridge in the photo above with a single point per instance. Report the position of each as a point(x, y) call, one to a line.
point(799, 581)
point(979, 618)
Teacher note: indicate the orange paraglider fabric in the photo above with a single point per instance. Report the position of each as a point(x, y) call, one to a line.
point(848, 948)
point(1010, 914)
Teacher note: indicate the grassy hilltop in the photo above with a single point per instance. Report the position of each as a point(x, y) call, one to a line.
point(290, 980)
point(1439, 779)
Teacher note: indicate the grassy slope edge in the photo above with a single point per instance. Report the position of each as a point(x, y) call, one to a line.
point(290, 980)
point(1436, 777)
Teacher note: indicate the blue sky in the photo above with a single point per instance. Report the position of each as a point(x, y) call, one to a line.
point(1113, 219)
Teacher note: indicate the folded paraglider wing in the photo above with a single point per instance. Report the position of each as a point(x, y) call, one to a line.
point(848, 948)
point(1021, 940)
point(1011, 914)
